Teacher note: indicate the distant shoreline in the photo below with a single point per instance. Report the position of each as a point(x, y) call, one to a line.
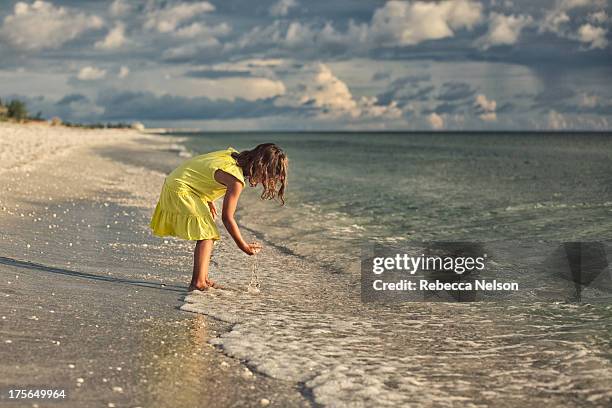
point(188, 131)
point(171, 131)
point(414, 132)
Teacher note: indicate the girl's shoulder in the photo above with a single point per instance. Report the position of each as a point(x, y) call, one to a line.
point(223, 160)
point(225, 153)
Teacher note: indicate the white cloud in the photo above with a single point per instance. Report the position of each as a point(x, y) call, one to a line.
point(118, 8)
point(556, 121)
point(485, 104)
point(554, 21)
point(488, 116)
point(589, 101)
point(123, 72)
point(258, 62)
point(319, 89)
point(559, 121)
point(599, 17)
point(250, 89)
point(325, 91)
point(41, 25)
point(594, 36)
point(503, 30)
point(397, 23)
point(572, 4)
point(190, 50)
point(305, 35)
point(435, 121)
point(487, 108)
point(166, 20)
point(558, 20)
point(408, 23)
point(199, 30)
point(114, 39)
point(299, 33)
point(282, 7)
point(370, 108)
point(203, 38)
point(178, 81)
point(91, 73)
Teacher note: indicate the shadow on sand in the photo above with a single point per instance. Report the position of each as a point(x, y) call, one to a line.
point(51, 269)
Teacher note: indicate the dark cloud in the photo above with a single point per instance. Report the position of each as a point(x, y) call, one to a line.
point(453, 91)
point(68, 99)
point(556, 98)
point(406, 89)
point(506, 107)
point(381, 76)
point(216, 74)
point(423, 93)
point(47, 107)
point(554, 94)
point(387, 97)
point(448, 108)
point(600, 108)
point(403, 80)
point(410, 79)
point(404, 96)
point(126, 105)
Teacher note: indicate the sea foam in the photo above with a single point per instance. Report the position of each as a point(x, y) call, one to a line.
point(309, 326)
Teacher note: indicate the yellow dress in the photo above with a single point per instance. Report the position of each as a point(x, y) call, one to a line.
point(182, 210)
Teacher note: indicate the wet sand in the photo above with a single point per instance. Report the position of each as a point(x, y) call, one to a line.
point(89, 299)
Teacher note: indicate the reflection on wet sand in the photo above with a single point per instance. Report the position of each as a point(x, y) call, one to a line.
point(176, 359)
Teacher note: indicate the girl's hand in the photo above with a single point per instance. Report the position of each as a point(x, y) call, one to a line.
point(252, 248)
point(213, 209)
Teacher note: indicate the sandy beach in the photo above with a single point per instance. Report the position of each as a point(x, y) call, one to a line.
point(90, 300)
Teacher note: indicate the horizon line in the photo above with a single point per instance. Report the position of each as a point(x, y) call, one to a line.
point(188, 130)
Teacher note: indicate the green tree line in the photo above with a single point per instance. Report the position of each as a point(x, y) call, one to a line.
point(14, 109)
point(18, 110)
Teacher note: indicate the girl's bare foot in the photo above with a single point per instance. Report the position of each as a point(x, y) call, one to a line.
point(212, 284)
point(193, 287)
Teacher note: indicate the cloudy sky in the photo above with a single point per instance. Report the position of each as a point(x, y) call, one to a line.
point(313, 64)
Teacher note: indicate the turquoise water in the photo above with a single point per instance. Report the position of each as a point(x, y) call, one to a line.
point(309, 326)
point(349, 188)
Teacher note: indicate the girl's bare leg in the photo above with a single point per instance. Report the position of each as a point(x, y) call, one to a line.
point(201, 260)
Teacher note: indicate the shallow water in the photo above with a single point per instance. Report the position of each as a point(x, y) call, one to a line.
point(309, 325)
point(349, 188)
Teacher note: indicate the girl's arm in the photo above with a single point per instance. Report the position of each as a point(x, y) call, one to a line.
point(234, 188)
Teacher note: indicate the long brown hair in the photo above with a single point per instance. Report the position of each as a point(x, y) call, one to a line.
point(266, 164)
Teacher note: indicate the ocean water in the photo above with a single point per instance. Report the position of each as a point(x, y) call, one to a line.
point(309, 325)
point(347, 188)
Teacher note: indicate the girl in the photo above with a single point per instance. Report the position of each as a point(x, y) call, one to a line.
point(186, 206)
